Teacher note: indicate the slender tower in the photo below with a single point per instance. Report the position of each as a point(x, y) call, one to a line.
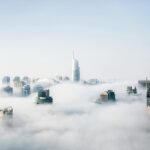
point(148, 93)
point(75, 70)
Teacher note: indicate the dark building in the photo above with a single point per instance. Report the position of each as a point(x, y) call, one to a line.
point(131, 90)
point(111, 95)
point(143, 82)
point(43, 97)
point(108, 96)
point(7, 90)
point(148, 95)
point(135, 90)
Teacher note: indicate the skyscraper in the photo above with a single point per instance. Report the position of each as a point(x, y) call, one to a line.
point(75, 70)
point(148, 93)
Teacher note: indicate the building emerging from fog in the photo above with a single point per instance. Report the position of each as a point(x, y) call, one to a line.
point(148, 95)
point(16, 81)
point(6, 80)
point(7, 90)
point(43, 97)
point(75, 70)
point(26, 90)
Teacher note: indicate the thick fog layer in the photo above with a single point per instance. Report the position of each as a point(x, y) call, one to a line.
point(75, 122)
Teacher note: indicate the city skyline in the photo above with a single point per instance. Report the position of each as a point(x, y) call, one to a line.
point(111, 38)
point(95, 99)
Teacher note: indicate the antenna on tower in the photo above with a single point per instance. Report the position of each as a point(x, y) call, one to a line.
point(146, 82)
point(73, 54)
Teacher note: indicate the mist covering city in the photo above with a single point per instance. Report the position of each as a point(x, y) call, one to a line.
point(74, 75)
point(74, 120)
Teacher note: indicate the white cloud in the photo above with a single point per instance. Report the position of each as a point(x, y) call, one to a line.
point(74, 121)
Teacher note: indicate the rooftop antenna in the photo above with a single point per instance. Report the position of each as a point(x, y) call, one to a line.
point(147, 83)
point(73, 54)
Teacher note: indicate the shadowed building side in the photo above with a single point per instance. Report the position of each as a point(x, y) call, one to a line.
point(43, 97)
point(148, 95)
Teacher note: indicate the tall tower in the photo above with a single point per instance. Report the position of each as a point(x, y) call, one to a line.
point(75, 70)
point(148, 93)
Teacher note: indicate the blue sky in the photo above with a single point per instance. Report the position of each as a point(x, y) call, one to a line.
point(110, 37)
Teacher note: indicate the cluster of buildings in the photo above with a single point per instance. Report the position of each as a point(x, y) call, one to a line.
point(21, 85)
point(24, 85)
point(6, 113)
point(131, 90)
point(107, 96)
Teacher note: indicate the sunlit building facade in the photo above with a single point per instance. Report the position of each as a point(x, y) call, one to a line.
point(75, 70)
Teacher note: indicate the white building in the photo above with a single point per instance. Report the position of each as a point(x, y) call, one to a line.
point(75, 70)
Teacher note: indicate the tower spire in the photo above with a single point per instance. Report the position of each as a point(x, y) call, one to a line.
point(75, 69)
point(73, 54)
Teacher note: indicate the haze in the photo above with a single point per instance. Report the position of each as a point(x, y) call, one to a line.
point(75, 121)
point(110, 38)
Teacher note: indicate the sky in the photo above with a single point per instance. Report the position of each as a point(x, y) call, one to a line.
point(110, 37)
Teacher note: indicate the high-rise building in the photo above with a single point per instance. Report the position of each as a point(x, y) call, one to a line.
point(26, 90)
point(7, 90)
point(75, 70)
point(6, 80)
point(148, 95)
point(43, 97)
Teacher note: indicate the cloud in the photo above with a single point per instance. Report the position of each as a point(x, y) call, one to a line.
point(74, 121)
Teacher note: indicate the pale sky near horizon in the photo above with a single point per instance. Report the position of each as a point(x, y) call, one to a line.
point(110, 37)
